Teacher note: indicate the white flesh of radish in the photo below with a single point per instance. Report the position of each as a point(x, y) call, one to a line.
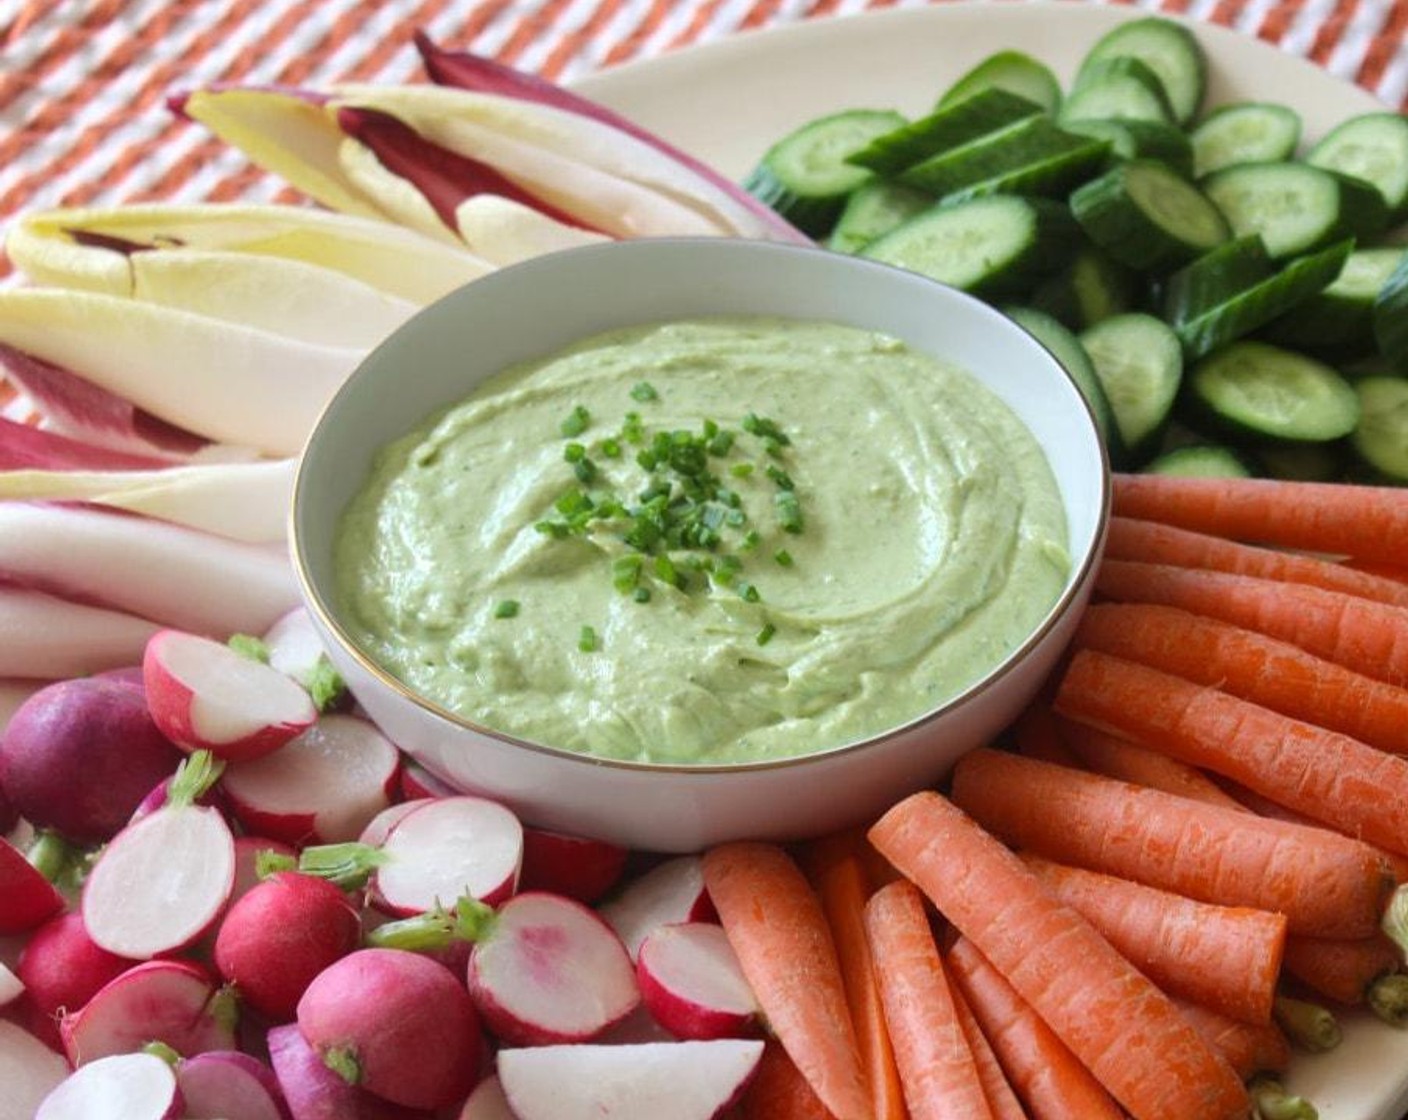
point(692, 982)
point(29, 1070)
point(228, 1086)
point(670, 892)
point(122, 1087)
point(451, 847)
point(11, 987)
point(294, 646)
point(487, 1102)
point(681, 1080)
point(380, 826)
point(160, 883)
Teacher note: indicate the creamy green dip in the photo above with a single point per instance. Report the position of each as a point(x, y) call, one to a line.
point(932, 542)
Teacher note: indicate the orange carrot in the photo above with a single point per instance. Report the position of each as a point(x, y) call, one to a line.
point(1226, 958)
point(1326, 884)
point(1381, 568)
point(1037, 735)
point(1368, 522)
point(1049, 1079)
point(1153, 543)
point(1114, 757)
point(1001, 1099)
point(1264, 670)
point(1249, 1048)
point(1116, 1022)
point(1327, 776)
point(937, 1070)
point(778, 1091)
point(776, 926)
point(1342, 971)
point(1368, 637)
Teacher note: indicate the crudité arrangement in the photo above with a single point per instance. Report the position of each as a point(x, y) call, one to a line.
point(224, 893)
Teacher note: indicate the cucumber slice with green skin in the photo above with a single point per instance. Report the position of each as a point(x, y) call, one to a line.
point(1381, 439)
point(805, 176)
point(1372, 147)
point(1167, 48)
point(873, 211)
point(1065, 347)
point(988, 246)
point(1339, 322)
point(1032, 156)
point(1139, 362)
point(1391, 316)
point(951, 126)
point(1148, 217)
point(1117, 89)
point(1200, 460)
point(1135, 139)
point(1294, 207)
point(1246, 132)
point(1267, 392)
point(1012, 71)
point(1091, 288)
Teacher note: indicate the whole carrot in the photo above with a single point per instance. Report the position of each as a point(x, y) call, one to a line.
point(1001, 1099)
point(1114, 757)
point(1268, 671)
point(937, 1070)
point(778, 1091)
point(1120, 1026)
point(1326, 884)
point(1369, 522)
point(776, 926)
point(1249, 1048)
point(1343, 971)
point(1330, 777)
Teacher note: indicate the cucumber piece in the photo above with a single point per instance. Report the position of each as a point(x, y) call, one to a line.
point(1148, 217)
point(1067, 350)
point(1372, 147)
point(1136, 139)
point(1200, 460)
point(992, 245)
point(1117, 89)
point(805, 176)
point(1339, 322)
point(1295, 208)
point(1032, 156)
point(1267, 392)
point(1012, 71)
point(948, 127)
point(874, 210)
point(1381, 439)
point(1391, 316)
point(1167, 48)
point(1091, 288)
point(1246, 132)
point(1139, 362)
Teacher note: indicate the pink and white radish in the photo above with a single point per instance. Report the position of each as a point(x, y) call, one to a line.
point(311, 1091)
point(205, 696)
point(296, 650)
point(27, 898)
point(250, 852)
point(229, 1085)
point(576, 866)
point(174, 1002)
point(446, 849)
point(121, 1087)
point(691, 982)
point(380, 826)
point(395, 1023)
point(62, 968)
point(281, 935)
point(418, 782)
point(486, 1102)
point(669, 892)
point(164, 880)
point(681, 1080)
point(29, 1071)
point(321, 788)
point(79, 756)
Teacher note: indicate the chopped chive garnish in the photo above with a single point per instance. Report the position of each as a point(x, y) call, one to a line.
point(610, 449)
point(747, 592)
point(765, 429)
point(644, 391)
point(750, 541)
point(721, 444)
point(642, 595)
point(773, 447)
point(781, 477)
point(584, 470)
point(783, 557)
point(625, 572)
point(632, 430)
point(741, 470)
point(766, 633)
point(555, 529)
point(574, 452)
point(506, 608)
point(586, 640)
point(789, 511)
point(576, 422)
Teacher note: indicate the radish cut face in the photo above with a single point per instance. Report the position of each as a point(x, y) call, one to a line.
point(449, 848)
point(27, 899)
point(487, 1102)
point(229, 1085)
point(122, 1087)
point(691, 981)
point(681, 1080)
point(29, 1070)
point(669, 892)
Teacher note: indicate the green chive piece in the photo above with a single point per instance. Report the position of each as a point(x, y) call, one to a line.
point(586, 640)
point(644, 391)
point(750, 541)
point(574, 452)
point(576, 422)
point(766, 633)
point(625, 572)
point(610, 449)
point(789, 511)
point(765, 429)
point(641, 595)
point(781, 477)
point(748, 593)
point(741, 470)
point(585, 471)
point(783, 557)
point(506, 608)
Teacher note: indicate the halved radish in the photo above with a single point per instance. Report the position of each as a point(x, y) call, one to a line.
point(681, 1080)
point(62, 969)
point(380, 826)
point(487, 1102)
point(692, 984)
point(296, 650)
point(418, 782)
point(448, 848)
point(670, 892)
point(321, 788)
point(229, 1085)
point(121, 1087)
point(314, 1092)
point(248, 852)
point(205, 696)
point(27, 899)
point(29, 1070)
point(576, 866)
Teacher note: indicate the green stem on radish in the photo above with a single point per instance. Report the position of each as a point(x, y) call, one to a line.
point(166, 1053)
point(1270, 1101)
point(348, 865)
point(436, 929)
point(1395, 920)
point(344, 1064)
point(194, 779)
point(1308, 1025)
point(269, 862)
point(1388, 998)
point(52, 856)
point(247, 645)
point(224, 1007)
point(324, 683)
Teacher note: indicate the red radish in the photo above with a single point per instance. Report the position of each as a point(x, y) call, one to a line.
point(248, 851)
point(62, 969)
point(314, 1092)
point(163, 881)
point(130, 675)
point(681, 1080)
point(690, 980)
point(487, 1102)
point(205, 696)
point(229, 1085)
point(29, 1071)
point(169, 1001)
point(27, 899)
point(282, 934)
point(395, 1023)
point(79, 756)
point(418, 782)
point(451, 847)
point(121, 1087)
point(296, 650)
point(321, 788)
point(670, 892)
point(576, 866)
point(9, 815)
point(380, 826)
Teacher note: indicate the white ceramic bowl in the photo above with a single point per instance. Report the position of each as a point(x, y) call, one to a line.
point(539, 307)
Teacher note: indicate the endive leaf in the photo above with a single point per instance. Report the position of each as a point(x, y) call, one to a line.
point(398, 197)
point(46, 637)
point(27, 447)
point(503, 231)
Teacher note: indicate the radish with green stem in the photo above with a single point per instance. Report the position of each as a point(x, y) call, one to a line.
point(27, 898)
point(577, 866)
point(691, 982)
point(380, 826)
point(62, 968)
point(121, 1087)
point(249, 851)
point(313, 1092)
point(163, 881)
point(670, 892)
point(29, 1071)
point(450, 847)
point(296, 650)
point(229, 1085)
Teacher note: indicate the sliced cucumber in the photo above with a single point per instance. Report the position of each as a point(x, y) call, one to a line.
point(1169, 49)
point(1117, 89)
point(1339, 322)
point(1140, 365)
point(1391, 316)
point(1136, 139)
point(950, 126)
point(1267, 392)
point(805, 176)
point(1012, 71)
point(1200, 460)
point(1372, 147)
point(1067, 350)
point(1247, 132)
point(1091, 288)
point(992, 245)
point(1148, 217)
point(1381, 439)
point(873, 211)
point(1032, 156)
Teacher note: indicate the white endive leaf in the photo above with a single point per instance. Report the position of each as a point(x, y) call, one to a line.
point(221, 380)
point(397, 197)
point(50, 638)
point(504, 231)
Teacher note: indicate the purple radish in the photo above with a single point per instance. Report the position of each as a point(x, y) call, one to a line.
point(29, 1071)
point(27, 898)
point(281, 935)
point(130, 675)
point(451, 847)
point(296, 650)
point(321, 788)
point(691, 982)
point(486, 1102)
point(79, 756)
point(121, 1087)
point(163, 881)
point(229, 1085)
point(395, 1023)
point(670, 892)
point(205, 696)
point(313, 1092)
point(681, 1080)
point(9, 815)
point(170, 1001)
point(62, 969)
point(576, 866)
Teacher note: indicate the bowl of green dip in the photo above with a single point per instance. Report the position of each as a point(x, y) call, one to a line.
point(673, 541)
